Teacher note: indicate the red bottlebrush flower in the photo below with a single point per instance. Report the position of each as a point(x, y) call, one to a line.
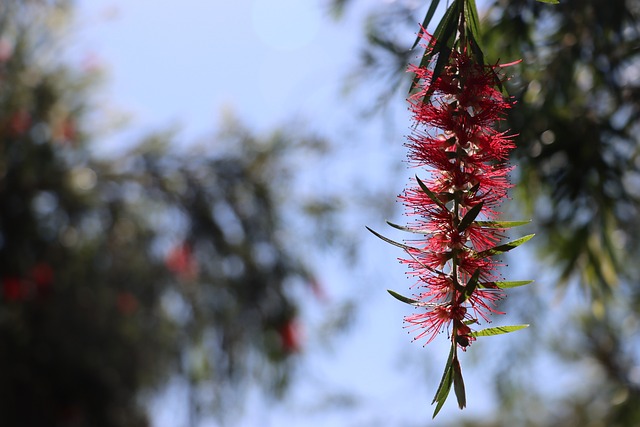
point(456, 136)
point(456, 112)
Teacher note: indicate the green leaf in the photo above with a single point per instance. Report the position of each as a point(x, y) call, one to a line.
point(505, 285)
point(473, 30)
point(409, 300)
point(447, 367)
point(431, 195)
point(448, 25)
point(424, 62)
point(497, 330)
point(414, 302)
point(470, 216)
point(474, 189)
point(444, 52)
point(549, 1)
point(471, 17)
point(444, 37)
point(427, 20)
point(477, 52)
point(408, 249)
point(445, 383)
point(409, 229)
point(500, 224)
point(403, 298)
point(393, 242)
point(458, 384)
point(506, 247)
point(425, 266)
point(471, 285)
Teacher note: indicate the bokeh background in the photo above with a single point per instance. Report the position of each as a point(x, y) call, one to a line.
point(184, 190)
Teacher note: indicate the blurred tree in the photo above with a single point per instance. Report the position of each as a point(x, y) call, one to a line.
point(116, 274)
point(577, 116)
point(578, 104)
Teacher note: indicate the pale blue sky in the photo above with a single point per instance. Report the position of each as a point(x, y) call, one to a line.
point(183, 62)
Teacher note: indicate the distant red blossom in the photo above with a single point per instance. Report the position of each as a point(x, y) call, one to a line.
point(126, 303)
point(13, 288)
point(42, 275)
point(19, 123)
point(181, 262)
point(37, 283)
point(290, 336)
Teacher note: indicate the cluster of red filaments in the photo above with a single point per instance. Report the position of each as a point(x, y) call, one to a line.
point(455, 136)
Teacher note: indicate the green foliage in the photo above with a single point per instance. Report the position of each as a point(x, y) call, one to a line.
point(577, 121)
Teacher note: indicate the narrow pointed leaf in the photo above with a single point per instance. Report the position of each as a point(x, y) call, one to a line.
point(549, 1)
point(427, 20)
point(506, 247)
point(404, 299)
point(497, 330)
point(458, 384)
point(505, 285)
point(471, 284)
point(393, 242)
point(425, 266)
point(445, 384)
point(500, 224)
point(470, 216)
point(414, 302)
point(409, 229)
point(477, 52)
point(446, 391)
point(430, 193)
point(447, 367)
point(473, 28)
point(424, 62)
point(443, 59)
point(448, 25)
point(446, 18)
point(444, 37)
point(471, 16)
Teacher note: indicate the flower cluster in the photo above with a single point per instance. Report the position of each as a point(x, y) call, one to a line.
point(456, 137)
point(457, 111)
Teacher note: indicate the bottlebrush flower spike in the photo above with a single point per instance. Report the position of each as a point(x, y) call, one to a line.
point(456, 114)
